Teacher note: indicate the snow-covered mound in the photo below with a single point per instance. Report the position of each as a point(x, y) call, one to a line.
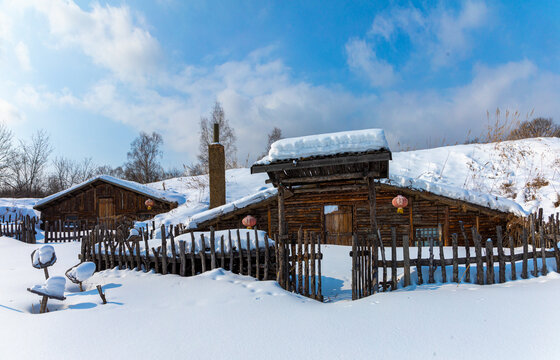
point(43, 257)
point(524, 171)
point(81, 272)
point(53, 287)
point(17, 207)
point(326, 144)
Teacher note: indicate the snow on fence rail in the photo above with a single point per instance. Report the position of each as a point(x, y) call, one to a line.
point(20, 228)
point(541, 236)
point(185, 255)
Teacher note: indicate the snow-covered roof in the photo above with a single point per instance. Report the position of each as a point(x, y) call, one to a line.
point(242, 203)
point(357, 141)
point(166, 196)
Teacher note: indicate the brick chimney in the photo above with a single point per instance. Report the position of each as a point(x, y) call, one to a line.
point(217, 170)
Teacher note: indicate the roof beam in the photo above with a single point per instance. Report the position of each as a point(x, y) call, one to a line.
point(329, 161)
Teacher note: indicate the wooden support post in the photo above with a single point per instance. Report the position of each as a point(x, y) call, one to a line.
point(240, 251)
point(479, 262)
point(320, 257)
point(202, 252)
point(222, 253)
point(442, 255)
point(419, 263)
point(554, 223)
point(249, 265)
point(455, 257)
point(406, 258)
point(266, 257)
point(489, 262)
point(230, 253)
point(306, 268)
point(281, 212)
point(501, 256)
point(212, 249)
point(257, 256)
point(173, 251)
point(354, 267)
point(524, 269)
point(431, 279)
point(183, 257)
point(393, 259)
point(299, 261)
point(163, 251)
point(535, 272)
point(544, 269)
point(512, 258)
point(313, 282)
point(192, 255)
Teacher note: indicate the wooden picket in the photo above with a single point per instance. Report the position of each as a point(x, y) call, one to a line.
point(539, 242)
point(115, 248)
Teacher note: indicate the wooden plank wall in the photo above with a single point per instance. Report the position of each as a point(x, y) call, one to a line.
point(83, 204)
point(305, 210)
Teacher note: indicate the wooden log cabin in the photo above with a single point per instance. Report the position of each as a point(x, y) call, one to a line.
point(345, 192)
point(104, 198)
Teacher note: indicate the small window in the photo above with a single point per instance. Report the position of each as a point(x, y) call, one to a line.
point(423, 235)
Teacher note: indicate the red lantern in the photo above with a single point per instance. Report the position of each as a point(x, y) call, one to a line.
point(249, 221)
point(149, 203)
point(400, 202)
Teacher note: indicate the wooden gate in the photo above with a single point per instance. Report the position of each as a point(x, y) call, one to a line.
point(338, 224)
point(364, 266)
point(299, 264)
point(106, 208)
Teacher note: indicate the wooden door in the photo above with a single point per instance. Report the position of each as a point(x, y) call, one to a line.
point(106, 208)
point(338, 224)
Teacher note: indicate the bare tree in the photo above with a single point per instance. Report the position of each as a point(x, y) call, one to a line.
point(6, 150)
point(28, 165)
point(227, 138)
point(143, 164)
point(538, 127)
point(273, 136)
point(67, 173)
point(117, 172)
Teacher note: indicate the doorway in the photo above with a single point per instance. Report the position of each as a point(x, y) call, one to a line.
point(338, 224)
point(106, 208)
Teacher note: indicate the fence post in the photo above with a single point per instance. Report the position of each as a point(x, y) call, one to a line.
point(489, 262)
point(455, 256)
point(501, 256)
point(406, 258)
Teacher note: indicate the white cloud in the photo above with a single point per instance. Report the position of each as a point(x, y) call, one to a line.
point(22, 55)
point(442, 34)
point(9, 114)
point(362, 59)
point(107, 34)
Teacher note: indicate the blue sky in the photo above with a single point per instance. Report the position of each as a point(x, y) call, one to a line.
point(94, 74)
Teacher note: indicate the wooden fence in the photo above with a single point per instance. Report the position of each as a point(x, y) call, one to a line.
point(489, 256)
point(20, 228)
point(299, 264)
point(109, 249)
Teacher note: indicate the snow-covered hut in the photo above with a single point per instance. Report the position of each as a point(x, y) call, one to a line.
point(106, 198)
point(338, 184)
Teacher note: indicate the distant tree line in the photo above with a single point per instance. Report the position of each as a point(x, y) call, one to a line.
point(28, 170)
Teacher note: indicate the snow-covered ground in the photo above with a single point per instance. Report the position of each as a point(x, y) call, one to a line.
point(17, 207)
point(222, 315)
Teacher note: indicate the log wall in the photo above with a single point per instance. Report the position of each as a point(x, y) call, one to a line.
point(84, 203)
point(306, 210)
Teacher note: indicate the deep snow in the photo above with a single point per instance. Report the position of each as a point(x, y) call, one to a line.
point(222, 315)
